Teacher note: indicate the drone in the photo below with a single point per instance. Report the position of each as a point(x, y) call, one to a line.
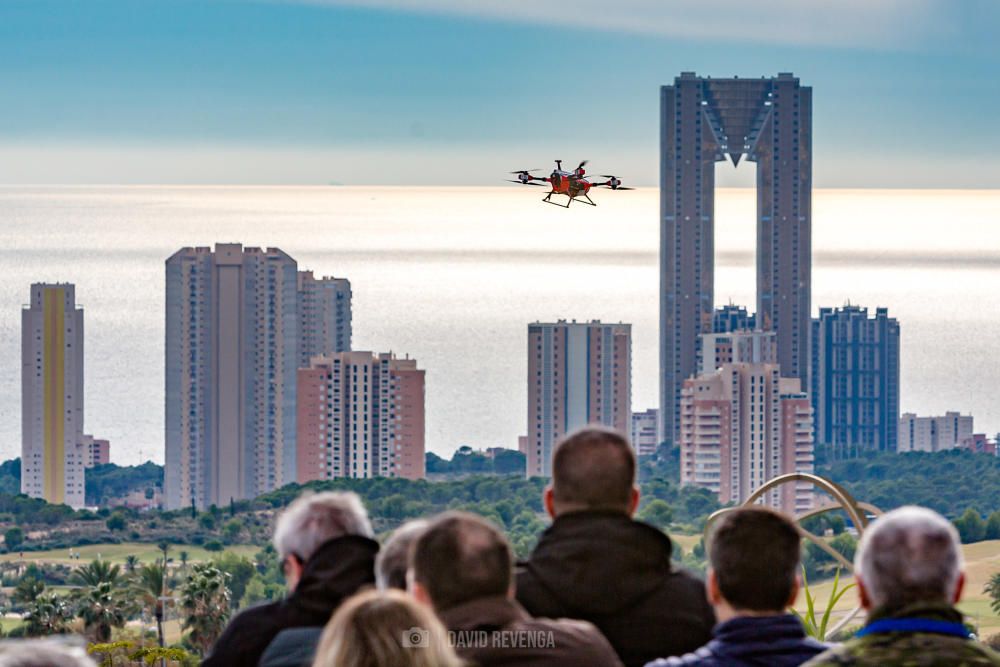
point(574, 184)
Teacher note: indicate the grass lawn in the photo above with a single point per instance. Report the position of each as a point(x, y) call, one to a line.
point(687, 542)
point(116, 553)
point(981, 560)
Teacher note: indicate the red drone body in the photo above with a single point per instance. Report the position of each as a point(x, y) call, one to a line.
point(573, 184)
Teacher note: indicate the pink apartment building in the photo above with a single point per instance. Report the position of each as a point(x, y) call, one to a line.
point(360, 415)
point(743, 424)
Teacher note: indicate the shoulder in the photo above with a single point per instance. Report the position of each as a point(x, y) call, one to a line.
point(842, 654)
point(703, 657)
point(294, 646)
point(251, 627)
point(568, 633)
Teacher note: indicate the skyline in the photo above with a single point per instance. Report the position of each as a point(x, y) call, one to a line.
point(873, 248)
point(381, 92)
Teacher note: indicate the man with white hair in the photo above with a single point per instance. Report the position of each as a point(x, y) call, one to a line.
point(324, 541)
point(909, 572)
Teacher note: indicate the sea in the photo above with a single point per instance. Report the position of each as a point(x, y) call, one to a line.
point(452, 276)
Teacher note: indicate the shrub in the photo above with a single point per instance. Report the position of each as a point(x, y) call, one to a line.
point(213, 545)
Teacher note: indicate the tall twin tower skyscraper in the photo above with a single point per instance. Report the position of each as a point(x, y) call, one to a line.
point(704, 121)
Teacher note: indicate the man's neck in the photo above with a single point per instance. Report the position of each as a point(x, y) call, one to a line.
point(724, 612)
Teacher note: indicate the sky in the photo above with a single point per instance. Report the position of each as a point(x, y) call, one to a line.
point(420, 92)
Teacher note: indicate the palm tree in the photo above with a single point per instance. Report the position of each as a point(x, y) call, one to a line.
point(101, 609)
point(131, 562)
point(184, 560)
point(149, 587)
point(992, 589)
point(205, 601)
point(49, 614)
point(164, 547)
point(96, 572)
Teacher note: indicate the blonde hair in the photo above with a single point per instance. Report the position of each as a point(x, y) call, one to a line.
point(384, 629)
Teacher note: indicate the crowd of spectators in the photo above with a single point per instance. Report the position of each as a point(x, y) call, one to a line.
point(599, 589)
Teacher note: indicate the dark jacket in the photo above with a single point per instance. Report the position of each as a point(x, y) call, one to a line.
point(496, 632)
point(902, 648)
point(294, 647)
point(749, 641)
point(605, 568)
point(335, 572)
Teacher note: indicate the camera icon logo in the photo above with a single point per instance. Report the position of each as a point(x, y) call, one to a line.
point(416, 638)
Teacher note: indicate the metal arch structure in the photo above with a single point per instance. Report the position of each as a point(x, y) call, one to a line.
point(857, 511)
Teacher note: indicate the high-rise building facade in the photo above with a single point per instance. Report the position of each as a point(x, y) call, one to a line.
point(704, 121)
point(742, 425)
point(360, 415)
point(933, 434)
point(645, 432)
point(732, 318)
point(96, 451)
point(739, 347)
point(232, 351)
point(854, 380)
point(324, 316)
point(52, 457)
point(578, 374)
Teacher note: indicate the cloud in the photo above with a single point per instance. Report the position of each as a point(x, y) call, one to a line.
point(879, 24)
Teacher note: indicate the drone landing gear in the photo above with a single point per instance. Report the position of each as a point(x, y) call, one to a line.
point(583, 199)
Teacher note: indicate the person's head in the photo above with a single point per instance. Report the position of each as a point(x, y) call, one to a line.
point(592, 469)
point(460, 557)
point(384, 629)
point(393, 558)
point(754, 554)
point(312, 520)
point(909, 555)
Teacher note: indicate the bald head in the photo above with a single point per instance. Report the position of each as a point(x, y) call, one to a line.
point(909, 555)
point(461, 557)
point(593, 469)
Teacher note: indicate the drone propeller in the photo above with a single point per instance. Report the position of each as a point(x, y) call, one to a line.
point(582, 164)
point(613, 182)
point(525, 182)
point(525, 171)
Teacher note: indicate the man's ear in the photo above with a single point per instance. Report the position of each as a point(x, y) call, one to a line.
point(633, 500)
point(959, 586)
point(866, 602)
point(796, 585)
point(712, 588)
point(419, 593)
point(549, 502)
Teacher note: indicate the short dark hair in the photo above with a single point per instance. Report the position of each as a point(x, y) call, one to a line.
point(755, 553)
point(461, 557)
point(594, 467)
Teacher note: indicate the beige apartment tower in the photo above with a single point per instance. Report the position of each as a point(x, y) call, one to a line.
point(578, 374)
point(232, 351)
point(52, 456)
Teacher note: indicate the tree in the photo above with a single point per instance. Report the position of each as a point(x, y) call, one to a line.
point(49, 614)
point(116, 522)
point(970, 526)
point(131, 562)
point(101, 609)
point(658, 513)
point(240, 571)
point(96, 572)
point(993, 526)
point(13, 538)
point(150, 588)
point(992, 589)
point(27, 589)
point(183, 555)
point(205, 603)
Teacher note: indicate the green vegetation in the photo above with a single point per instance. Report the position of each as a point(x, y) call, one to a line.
point(467, 461)
point(948, 482)
point(817, 627)
point(992, 589)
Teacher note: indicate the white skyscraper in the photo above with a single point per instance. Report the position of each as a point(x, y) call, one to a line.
point(324, 316)
point(52, 457)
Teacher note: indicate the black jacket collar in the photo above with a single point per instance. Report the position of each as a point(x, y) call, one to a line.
point(337, 570)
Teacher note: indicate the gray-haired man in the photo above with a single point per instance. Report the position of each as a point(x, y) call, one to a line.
point(326, 548)
point(909, 572)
